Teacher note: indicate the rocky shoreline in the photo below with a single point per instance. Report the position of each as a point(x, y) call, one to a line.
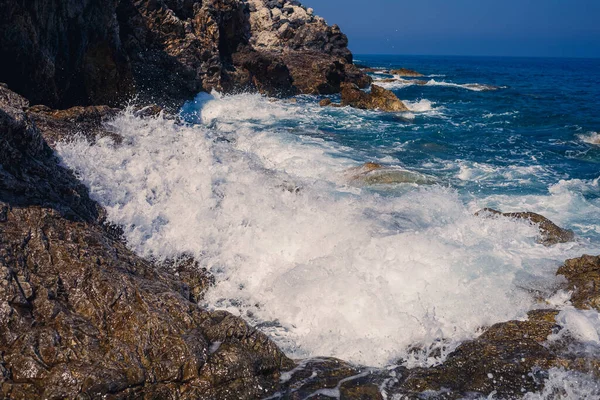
point(84, 317)
point(83, 314)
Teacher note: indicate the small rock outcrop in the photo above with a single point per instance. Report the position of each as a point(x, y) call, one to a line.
point(378, 99)
point(583, 276)
point(405, 72)
point(550, 233)
point(58, 125)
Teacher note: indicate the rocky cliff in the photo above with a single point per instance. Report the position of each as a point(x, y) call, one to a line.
point(81, 52)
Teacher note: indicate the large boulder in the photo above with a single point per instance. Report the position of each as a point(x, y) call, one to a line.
point(81, 316)
point(378, 99)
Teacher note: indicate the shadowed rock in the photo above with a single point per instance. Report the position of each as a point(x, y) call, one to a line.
point(378, 99)
point(64, 53)
point(550, 233)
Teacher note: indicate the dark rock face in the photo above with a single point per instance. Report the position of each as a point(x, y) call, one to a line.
point(378, 99)
point(583, 276)
point(164, 51)
point(83, 315)
point(63, 53)
point(550, 233)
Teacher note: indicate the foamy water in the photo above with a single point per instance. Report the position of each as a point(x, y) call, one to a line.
point(401, 83)
point(256, 192)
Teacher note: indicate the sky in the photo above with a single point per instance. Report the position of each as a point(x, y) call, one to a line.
point(534, 28)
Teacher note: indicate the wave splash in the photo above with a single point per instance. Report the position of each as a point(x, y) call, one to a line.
point(326, 268)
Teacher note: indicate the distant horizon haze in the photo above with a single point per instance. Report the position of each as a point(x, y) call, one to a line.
point(518, 28)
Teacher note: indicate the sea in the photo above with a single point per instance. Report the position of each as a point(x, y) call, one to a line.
point(352, 233)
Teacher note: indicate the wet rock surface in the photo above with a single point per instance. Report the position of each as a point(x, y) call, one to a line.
point(509, 359)
point(83, 315)
point(58, 125)
point(583, 276)
point(550, 233)
point(377, 99)
point(92, 52)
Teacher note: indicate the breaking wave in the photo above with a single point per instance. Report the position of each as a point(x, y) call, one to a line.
point(260, 197)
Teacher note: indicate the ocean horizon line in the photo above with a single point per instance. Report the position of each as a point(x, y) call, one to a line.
point(357, 54)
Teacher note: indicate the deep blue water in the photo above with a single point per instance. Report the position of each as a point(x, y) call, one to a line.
point(536, 119)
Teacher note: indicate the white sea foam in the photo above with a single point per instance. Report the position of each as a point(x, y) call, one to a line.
point(326, 268)
point(582, 325)
point(476, 87)
point(474, 171)
point(419, 106)
point(567, 385)
point(400, 83)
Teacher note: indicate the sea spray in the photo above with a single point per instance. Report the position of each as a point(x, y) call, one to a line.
point(329, 269)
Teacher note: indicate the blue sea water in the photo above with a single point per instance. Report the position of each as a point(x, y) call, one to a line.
point(538, 128)
point(535, 119)
point(271, 196)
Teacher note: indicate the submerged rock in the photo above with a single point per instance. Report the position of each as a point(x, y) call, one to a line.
point(82, 315)
point(583, 276)
point(550, 233)
point(405, 72)
point(372, 70)
point(378, 99)
point(375, 174)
